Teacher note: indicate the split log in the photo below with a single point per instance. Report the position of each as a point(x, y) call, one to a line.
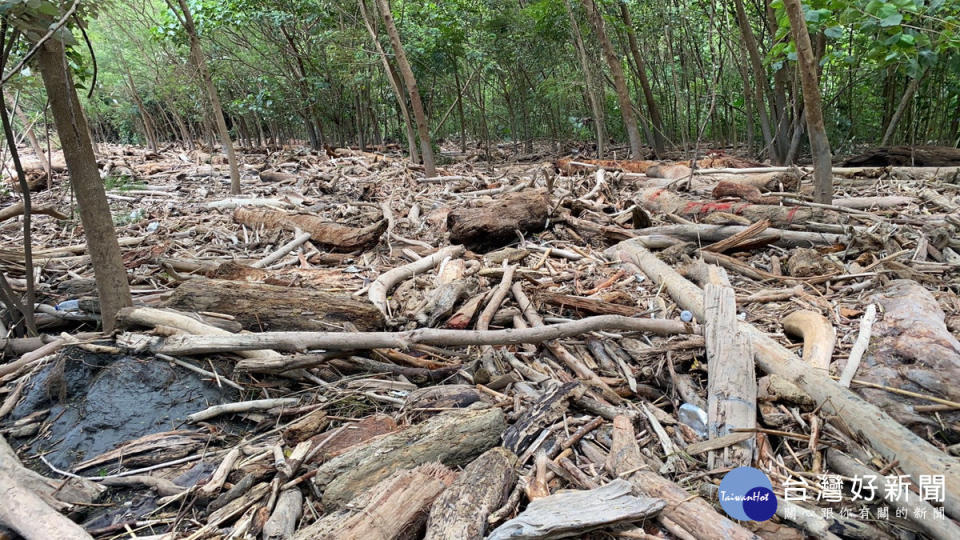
point(891, 440)
point(717, 233)
point(335, 235)
point(261, 307)
point(394, 508)
point(496, 223)
point(573, 513)
point(461, 511)
point(453, 438)
point(547, 410)
point(337, 441)
point(693, 514)
point(732, 384)
point(662, 201)
point(299, 341)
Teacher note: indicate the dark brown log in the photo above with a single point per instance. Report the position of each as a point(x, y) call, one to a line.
point(277, 176)
point(461, 511)
point(269, 307)
point(907, 156)
point(334, 442)
point(453, 438)
point(323, 232)
point(496, 223)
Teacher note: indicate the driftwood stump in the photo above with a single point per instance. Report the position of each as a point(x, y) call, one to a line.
point(496, 223)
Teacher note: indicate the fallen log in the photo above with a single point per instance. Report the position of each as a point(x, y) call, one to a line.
point(260, 307)
point(662, 201)
point(461, 511)
point(17, 209)
point(454, 438)
point(300, 341)
point(717, 233)
point(496, 223)
point(909, 156)
point(891, 440)
point(392, 509)
point(335, 235)
point(282, 523)
point(573, 513)
point(312, 278)
point(547, 410)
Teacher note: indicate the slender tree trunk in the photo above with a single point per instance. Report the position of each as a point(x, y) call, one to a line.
point(200, 63)
point(760, 79)
point(819, 144)
point(619, 81)
point(904, 103)
point(423, 128)
point(460, 91)
point(652, 109)
point(30, 134)
point(596, 108)
point(111, 276)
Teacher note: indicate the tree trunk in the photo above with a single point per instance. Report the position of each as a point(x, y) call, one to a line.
point(31, 136)
point(411, 82)
point(596, 108)
point(619, 81)
point(111, 276)
point(760, 80)
point(394, 84)
point(201, 64)
point(904, 102)
point(652, 109)
point(819, 144)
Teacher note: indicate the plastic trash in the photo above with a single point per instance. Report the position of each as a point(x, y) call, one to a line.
point(686, 316)
point(694, 417)
point(68, 305)
point(153, 226)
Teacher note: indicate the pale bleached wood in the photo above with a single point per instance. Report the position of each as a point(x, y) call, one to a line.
point(572, 513)
point(732, 382)
point(891, 440)
point(382, 285)
point(282, 523)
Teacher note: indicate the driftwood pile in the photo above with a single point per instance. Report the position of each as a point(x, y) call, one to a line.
point(578, 348)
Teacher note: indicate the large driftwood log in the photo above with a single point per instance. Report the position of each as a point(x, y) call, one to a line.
point(886, 436)
point(299, 341)
point(313, 278)
point(662, 201)
point(693, 514)
point(460, 513)
point(573, 513)
point(732, 383)
point(260, 307)
point(394, 508)
point(453, 438)
point(331, 234)
point(496, 223)
point(715, 233)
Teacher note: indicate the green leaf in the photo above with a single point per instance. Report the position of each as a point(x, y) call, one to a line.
point(833, 32)
point(891, 20)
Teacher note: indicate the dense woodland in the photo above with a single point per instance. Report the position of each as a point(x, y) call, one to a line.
point(469, 269)
point(523, 71)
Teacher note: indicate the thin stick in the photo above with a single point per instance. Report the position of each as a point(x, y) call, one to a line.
point(859, 347)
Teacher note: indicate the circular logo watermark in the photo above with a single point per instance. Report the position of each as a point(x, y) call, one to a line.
point(747, 494)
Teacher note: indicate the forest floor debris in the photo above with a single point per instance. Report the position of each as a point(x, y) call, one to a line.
point(350, 348)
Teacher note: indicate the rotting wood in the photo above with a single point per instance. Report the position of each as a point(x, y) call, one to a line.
point(323, 232)
point(461, 511)
point(453, 438)
point(262, 307)
point(494, 224)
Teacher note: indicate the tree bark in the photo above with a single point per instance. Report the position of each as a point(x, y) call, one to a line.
point(596, 108)
point(760, 79)
point(201, 64)
point(619, 81)
point(653, 110)
point(423, 129)
point(111, 276)
point(904, 102)
point(819, 144)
